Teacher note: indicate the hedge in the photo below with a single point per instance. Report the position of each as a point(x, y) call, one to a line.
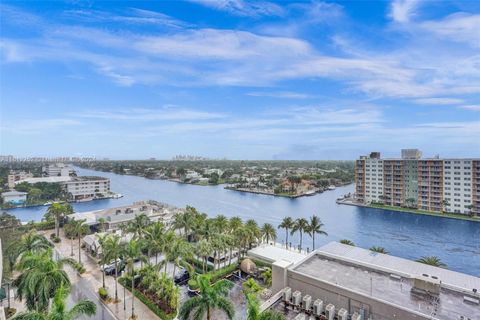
point(215, 275)
point(150, 304)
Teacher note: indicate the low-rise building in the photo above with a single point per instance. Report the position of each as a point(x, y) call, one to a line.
point(57, 170)
point(345, 282)
point(112, 219)
point(14, 197)
point(15, 176)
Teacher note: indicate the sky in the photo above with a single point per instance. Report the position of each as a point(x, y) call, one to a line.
point(239, 79)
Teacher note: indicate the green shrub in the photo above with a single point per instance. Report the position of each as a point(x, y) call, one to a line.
point(103, 293)
point(214, 275)
point(150, 304)
point(79, 267)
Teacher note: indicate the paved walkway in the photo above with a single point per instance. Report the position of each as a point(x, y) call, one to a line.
point(91, 281)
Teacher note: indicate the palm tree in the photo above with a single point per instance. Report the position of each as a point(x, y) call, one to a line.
point(40, 279)
point(235, 223)
point(102, 240)
point(300, 225)
point(287, 223)
point(29, 243)
point(432, 261)
point(212, 296)
point(133, 251)
point(268, 232)
point(204, 249)
point(315, 227)
point(254, 313)
point(154, 236)
point(58, 211)
point(347, 242)
point(379, 250)
point(80, 228)
point(59, 309)
point(113, 251)
point(138, 225)
point(180, 248)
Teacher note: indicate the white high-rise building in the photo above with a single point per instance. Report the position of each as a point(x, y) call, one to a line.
point(457, 191)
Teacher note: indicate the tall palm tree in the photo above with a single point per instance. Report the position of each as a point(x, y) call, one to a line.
point(253, 232)
point(154, 236)
point(234, 224)
point(268, 232)
point(221, 222)
point(40, 279)
point(102, 240)
point(58, 211)
point(180, 248)
point(113, 250)
point(80, 228)
point(254, 313)
point(138, 225)
point(301, 225)
point(29, 243)
point(59, 309)
point(432, 261)
point(347, 242)
point(287, 223)
point(379, 250)
point(204, 249)
point(212, 296)
point(133, 251)
point(315, 227)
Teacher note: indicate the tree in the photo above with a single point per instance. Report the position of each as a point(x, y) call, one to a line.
point(379, 250)
point(113, 251)
point(432, 261)
point(30, 243)
point(267, 277)
point(79, 228)
point(287, 223)
point(251, 287)
point(185, 220)
point(58, 211)
point(204, 249)
point(138, 225)
point(212, 296)
point(133, 251)
point(102, 240)
point(40, 279)
point(301, 225)
point(59, 311)
point(315, 227)
point(9, 221)
point(268, 232)
point(253, 232)
point(347, 242)
point(254, 313)
point(154, 236)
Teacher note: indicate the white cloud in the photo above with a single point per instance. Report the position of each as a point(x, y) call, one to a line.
point(471, 108)
point(163, 114)
point(279, 94)
point(244, 8)
point(403, 10)
point(458, 27)
point(439, 101)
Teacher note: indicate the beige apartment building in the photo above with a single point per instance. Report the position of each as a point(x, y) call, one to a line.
point(433, 184)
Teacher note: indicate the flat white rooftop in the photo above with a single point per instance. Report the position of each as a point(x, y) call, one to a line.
point(271, 253)
point(390, 280)
point(45, 179)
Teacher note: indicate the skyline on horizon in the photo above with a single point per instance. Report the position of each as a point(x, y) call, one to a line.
point(240, 80)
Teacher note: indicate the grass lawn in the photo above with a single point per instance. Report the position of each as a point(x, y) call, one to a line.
point(429, 213)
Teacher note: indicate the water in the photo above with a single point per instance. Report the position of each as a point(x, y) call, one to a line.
point(455, 242)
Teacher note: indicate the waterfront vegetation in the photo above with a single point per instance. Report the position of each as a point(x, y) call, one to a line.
point(42, 281)
point(425, 212)
point(281, 178)
point(312, 227)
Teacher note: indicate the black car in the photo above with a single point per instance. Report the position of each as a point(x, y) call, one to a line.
point(110, 270)
point(181, 277)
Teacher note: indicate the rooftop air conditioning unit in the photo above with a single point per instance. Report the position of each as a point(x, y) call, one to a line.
point(297, 298)
point(356, 316)
point(287, 294)
point(330, 311)
point(342, 314)
point(300, 316)
point(318, 307)
point(307, 302)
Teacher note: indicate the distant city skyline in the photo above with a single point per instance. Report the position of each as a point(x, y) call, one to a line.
point(239, 80)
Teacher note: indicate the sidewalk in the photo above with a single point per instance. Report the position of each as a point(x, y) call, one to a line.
point(92, 279)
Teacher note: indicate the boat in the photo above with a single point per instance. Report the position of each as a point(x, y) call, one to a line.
point(117, 196)
point(331, 187)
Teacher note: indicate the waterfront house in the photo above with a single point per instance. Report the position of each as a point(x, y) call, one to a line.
point(14, 197)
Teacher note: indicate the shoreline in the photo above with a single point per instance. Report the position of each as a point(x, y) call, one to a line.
point(409, 210)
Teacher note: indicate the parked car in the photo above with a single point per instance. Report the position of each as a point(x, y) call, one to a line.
point(110, 270)
point(181, 276)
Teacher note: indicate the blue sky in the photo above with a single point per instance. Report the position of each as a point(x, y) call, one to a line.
point(238, 79)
